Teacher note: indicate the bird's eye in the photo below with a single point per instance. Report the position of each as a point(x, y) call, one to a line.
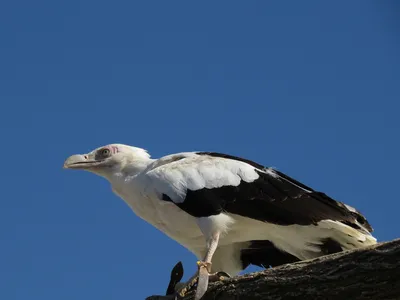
point(105, 152)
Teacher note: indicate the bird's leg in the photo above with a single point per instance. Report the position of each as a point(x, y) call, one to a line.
point(205, 265)
point(203, 276)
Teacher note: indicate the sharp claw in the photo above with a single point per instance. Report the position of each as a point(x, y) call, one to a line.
point(219, 276)
point(202, 278)
point(223, 274)
point(202, 283)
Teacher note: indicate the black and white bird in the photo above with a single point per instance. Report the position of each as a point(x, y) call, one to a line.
point(230, 212)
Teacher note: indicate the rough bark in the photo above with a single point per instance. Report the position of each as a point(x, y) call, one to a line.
point(368, 273)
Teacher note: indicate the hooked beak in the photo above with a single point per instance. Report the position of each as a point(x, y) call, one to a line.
point(80, 161)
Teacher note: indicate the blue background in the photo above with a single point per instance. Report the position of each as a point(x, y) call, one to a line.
point(309, 87)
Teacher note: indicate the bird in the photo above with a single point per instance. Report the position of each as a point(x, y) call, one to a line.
point(230, 212)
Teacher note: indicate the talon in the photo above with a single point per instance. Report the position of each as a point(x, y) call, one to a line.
point(219, 276)
point(223, 274)
point(202, 278)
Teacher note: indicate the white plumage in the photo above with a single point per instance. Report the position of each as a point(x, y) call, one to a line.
point(250, 213)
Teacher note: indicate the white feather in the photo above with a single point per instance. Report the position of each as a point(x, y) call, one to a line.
point(173, 176)
point(197, 172)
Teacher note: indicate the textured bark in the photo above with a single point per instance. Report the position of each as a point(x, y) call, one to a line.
point(368, 273)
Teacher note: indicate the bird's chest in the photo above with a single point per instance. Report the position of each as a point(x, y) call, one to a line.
point(164, 215)
point(137, 201)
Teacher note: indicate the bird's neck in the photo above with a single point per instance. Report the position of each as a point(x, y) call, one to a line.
point(124, 180)
point(136, 167)
point(129, 169)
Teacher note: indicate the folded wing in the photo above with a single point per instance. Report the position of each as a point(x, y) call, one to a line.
point(206, 183)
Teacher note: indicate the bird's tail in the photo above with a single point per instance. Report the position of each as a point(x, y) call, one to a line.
point(347, 236)
point(328, 237)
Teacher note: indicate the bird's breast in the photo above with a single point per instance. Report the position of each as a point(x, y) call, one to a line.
point(164, 215)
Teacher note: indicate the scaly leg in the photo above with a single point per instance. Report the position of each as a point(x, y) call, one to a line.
point(205, 266)
point(182, 288)
point(203, 275)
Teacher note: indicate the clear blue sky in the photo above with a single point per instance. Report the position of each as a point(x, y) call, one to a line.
point(311, 88)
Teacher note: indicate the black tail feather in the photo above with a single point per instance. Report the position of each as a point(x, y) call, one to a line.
point(265, 254)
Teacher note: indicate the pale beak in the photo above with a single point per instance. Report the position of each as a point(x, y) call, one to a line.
point(80, 161)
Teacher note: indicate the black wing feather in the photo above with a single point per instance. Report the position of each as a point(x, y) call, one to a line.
point(274, 198)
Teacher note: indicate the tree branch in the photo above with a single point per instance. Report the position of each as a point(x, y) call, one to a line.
point(364, 274)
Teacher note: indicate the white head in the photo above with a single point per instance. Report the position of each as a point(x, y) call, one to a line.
point(108, 160)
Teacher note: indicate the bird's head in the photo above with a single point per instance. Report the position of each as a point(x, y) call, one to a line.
point(107, 159)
